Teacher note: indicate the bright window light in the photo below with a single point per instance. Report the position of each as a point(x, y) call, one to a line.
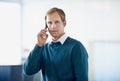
point(9, 34)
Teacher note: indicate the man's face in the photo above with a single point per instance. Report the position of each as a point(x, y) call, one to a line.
point(55, 25)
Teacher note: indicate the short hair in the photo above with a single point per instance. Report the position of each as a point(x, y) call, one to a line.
point(60, 12)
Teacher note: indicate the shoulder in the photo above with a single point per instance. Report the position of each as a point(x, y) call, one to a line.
point(78, 47)
point(73, 41)
point(76, 44)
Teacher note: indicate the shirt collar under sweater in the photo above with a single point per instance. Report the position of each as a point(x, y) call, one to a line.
point(62, 39)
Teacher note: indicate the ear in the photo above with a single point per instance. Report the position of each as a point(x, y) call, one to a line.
point(64, 23)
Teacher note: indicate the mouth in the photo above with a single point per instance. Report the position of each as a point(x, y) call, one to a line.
point(54, 32)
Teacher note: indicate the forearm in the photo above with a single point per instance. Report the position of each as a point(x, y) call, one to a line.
point(33, 63)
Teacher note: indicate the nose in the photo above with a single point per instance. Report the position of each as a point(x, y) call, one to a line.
point(53, 26)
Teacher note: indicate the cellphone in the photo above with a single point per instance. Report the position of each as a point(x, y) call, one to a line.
point(45, 28)
point(46, 25)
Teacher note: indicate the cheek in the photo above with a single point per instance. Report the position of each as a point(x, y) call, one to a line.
point(62, 29)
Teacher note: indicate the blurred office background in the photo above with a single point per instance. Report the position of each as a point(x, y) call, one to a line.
point(96, 23)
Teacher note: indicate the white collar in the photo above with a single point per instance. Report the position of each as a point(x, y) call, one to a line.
point(62, 39)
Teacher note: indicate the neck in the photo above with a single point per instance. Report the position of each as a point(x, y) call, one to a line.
point(57, 37)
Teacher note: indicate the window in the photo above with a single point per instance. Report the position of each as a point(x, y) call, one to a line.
point(10, 34)
point(106, 61)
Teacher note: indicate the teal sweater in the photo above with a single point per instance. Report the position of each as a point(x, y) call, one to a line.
point(59, 62)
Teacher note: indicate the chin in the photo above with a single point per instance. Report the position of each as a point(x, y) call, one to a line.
point(54, 35)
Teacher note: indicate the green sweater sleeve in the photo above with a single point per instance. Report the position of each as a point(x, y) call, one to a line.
point(80, 62)
point(34, 61)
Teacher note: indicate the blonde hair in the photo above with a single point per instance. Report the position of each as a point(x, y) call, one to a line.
point(59, 11)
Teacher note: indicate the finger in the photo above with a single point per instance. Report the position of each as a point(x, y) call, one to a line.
point(44, 36)
point(45, 30)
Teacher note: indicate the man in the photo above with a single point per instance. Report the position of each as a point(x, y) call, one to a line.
point(63, 59)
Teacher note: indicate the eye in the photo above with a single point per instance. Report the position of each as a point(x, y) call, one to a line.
point(57, 22)
point(49, 23)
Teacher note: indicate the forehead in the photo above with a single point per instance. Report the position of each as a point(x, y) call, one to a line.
point(53, 16)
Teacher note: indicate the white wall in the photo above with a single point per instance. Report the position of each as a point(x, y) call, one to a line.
point(15, 1)
point(86, 21)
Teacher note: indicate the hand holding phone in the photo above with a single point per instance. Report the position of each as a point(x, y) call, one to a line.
point(42, 36)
